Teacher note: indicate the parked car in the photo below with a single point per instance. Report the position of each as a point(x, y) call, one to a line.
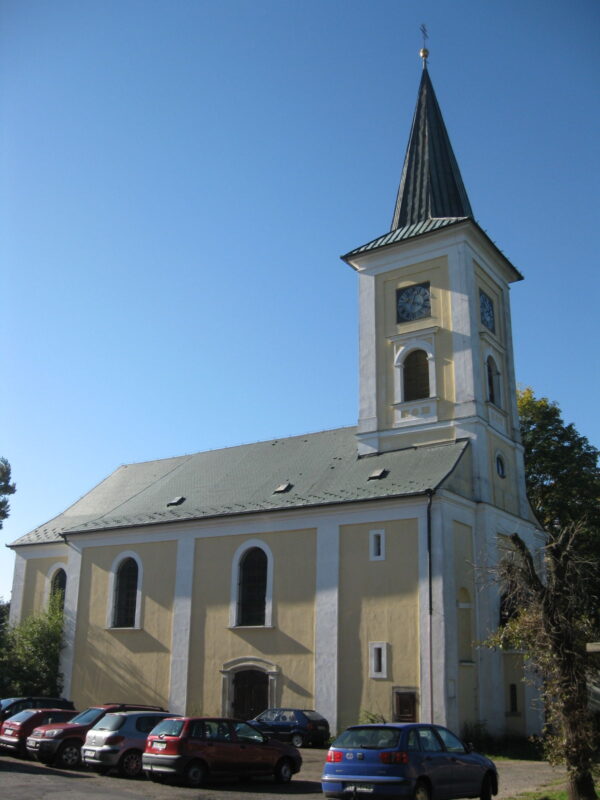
point(60, 744)
point(118, 740)
point(9, 706)
point(298, 726)
point(15, 730)
point(195, 748)
point(406, 760)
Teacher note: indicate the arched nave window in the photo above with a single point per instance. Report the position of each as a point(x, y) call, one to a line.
point(252, 581)
point(58, 585)
point(125, 582)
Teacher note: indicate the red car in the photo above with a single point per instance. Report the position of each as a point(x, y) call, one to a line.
point(60, 744)
point(196, 748)
point(16, 729)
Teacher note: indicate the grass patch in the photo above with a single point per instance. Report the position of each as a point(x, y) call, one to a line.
point(543, 794)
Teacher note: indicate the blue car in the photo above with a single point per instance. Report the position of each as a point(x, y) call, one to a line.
point(414, 760)
point(298, 726)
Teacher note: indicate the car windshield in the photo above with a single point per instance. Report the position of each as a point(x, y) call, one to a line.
point(371, 738)
point(87, 717)
point(109, 722)
point(168, 727)
point(22, 715)
point(7, 701)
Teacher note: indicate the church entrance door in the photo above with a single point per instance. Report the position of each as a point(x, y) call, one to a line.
point(250, 693)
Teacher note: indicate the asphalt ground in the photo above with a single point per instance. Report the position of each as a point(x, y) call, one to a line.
point(30, 780)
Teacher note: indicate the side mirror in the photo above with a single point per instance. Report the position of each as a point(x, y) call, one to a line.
point(469, 747)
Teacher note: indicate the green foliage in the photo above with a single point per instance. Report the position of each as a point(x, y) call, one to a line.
point(371, 717)
point(30, 654)
point(554, 611)
point(6, 488)
point(561, 467)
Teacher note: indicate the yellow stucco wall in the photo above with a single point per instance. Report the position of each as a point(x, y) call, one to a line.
point(378, 602)
point(513, 674)
point(35, 588)
point(435, 272)
point(123, 665)
point(505, 491)
point(289, 643)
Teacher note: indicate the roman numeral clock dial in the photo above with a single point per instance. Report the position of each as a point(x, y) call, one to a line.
point(413, 302)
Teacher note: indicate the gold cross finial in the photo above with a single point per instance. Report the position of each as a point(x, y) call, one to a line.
point(424, 52)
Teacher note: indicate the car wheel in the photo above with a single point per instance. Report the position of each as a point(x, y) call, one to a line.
point(130, 764)
point(486, 788)
point(195, 774)
point(297, 739)
point(69, 755)
point(283, 771)
point(422, 791)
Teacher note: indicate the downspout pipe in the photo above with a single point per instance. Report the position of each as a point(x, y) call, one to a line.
point(430, 493)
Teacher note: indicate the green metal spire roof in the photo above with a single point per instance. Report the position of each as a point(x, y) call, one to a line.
point(431, 186)
point(299, 472)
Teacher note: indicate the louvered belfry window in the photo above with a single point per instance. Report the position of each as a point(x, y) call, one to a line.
point(126, 594)
point(416, 376)
point(252, 588)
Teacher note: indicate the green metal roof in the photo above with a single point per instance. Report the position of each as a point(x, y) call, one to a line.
point(431, 186)
point(321, 468)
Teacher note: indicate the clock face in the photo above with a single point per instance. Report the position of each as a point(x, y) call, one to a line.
point(413, 302)
point(486, 310)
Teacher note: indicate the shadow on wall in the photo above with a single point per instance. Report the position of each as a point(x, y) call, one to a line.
point(113, 669)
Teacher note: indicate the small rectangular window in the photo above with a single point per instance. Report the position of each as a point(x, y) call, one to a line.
point(513, 699)
point(377, 545)
point(378, 659)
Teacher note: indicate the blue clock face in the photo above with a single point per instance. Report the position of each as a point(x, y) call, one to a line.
point(414, 302)
point(486, 310)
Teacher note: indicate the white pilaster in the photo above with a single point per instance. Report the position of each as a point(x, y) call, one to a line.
point(16, 598)
point(67, 655)
point(326, 621)
point(180, 637)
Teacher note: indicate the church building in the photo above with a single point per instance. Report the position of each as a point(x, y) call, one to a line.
point(349, 570)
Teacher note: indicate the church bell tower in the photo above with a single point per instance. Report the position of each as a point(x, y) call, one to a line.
point(436, 356)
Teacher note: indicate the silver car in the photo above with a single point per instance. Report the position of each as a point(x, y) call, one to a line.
point(118, 740)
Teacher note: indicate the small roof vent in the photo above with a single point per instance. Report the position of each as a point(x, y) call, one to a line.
point(378, 474)
point(176, 501)
point(283, 487)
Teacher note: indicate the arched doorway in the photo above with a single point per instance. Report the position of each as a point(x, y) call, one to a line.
point(250, 693)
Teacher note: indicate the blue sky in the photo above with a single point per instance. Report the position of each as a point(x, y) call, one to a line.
point(178, 180)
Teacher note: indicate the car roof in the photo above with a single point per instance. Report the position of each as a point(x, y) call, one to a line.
point(140, 713)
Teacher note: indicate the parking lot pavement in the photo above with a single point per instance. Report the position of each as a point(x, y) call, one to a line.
point(30, 780)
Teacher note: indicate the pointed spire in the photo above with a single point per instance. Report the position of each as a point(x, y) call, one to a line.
point(431, 186)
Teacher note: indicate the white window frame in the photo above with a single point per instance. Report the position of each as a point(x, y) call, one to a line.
point(235, 574)
point(112, 586)
point(404, 349)
point(382, 648)
point(374, 537)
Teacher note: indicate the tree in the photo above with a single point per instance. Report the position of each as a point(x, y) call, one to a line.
point(30, 656)
point(555, 610)
point(6, 488)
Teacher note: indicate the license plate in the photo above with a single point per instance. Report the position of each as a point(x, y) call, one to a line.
point(159, 745)
point(88, 752)
point(9, 731)
point(364, 788)
point(33, 743)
